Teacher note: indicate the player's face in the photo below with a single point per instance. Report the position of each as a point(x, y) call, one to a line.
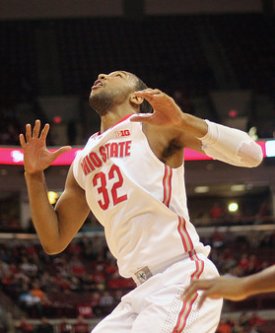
point(111, 89)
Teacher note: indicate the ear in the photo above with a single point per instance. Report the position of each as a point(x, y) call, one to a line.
point(136, 100)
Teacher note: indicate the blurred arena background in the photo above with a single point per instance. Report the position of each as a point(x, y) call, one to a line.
point(217, 59)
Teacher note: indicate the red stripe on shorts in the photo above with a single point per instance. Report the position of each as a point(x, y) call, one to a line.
point(187, 306)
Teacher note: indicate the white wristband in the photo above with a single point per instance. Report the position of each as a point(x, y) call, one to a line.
point(231, 145)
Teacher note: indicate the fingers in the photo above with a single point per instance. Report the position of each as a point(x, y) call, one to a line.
point(28, 132)
point(154, 96)
point(149, 93)
point(45, 131)
point(36, 128)
point(209, 287)
point(34, 133)
point(189, 294)
point(202, 299)
point(61, 150)
point(22, 140)
point(193, 288)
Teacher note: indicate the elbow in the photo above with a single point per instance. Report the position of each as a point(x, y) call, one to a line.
point(251, 155)
point(52, 249)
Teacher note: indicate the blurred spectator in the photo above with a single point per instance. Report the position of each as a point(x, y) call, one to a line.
point(28, 267)
point(45, 326)
point(76, 266)
point(81, 325)
point(106, 299)
point(106, 303)
point(224, 327)
point(244, 320)
point(254, 329)
point(64, 326)
point(95, 299)
point(217, 239)
point(254, 265)
point(244, 263)
point(263, 213)
point(256, 320)
point(24, 326)
point(29, 302)
point(85, 310)
point(216, 211)
point(268, 240)
point(37, 292)
point(9, 126)
point(3, 321)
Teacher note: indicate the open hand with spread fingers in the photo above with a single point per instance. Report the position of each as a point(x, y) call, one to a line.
point(231, 288)
point(36, 155)
point(166, 112)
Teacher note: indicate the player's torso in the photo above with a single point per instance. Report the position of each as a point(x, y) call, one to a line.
point(120, 159)
point(135, 196)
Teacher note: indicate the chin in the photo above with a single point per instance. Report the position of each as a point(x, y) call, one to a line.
point(100, 103)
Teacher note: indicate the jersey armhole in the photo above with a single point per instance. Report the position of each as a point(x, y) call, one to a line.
point(76, 166)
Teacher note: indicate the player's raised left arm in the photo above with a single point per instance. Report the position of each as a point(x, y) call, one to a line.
point(220, 142)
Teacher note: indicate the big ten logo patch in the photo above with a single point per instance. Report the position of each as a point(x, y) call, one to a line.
point(122, 133)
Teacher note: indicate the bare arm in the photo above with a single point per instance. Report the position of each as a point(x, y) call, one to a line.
point(261, 282)
point(184, 130)
point(55, 226)
point(233, 288)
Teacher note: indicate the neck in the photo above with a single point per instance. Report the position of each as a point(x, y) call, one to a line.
point(113, 116)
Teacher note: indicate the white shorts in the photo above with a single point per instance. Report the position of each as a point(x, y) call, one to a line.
point(155, 306)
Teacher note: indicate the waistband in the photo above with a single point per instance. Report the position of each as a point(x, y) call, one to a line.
point(144, 273)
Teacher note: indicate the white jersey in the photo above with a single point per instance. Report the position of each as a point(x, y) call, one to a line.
point(140, 201)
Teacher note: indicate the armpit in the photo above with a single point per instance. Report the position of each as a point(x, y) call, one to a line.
point(173, 147)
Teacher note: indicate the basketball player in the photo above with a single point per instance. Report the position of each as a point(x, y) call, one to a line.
point(233, 288)
point(131, 175)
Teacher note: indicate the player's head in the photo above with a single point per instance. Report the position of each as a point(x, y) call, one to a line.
point(115, 89)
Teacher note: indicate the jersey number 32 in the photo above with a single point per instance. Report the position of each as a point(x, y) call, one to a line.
point(109, 195)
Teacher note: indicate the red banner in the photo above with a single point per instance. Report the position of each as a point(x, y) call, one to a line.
point(14, 155)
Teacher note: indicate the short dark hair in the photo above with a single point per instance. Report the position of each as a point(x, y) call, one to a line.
point(145, 107)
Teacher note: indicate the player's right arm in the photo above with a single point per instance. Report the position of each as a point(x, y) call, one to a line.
point(57, 226)
point(233, 288)
point(183, 130)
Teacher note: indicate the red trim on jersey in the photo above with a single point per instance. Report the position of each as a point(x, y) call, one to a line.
point(163, 183)
point(185, 237)
point(167, 185)
point(182, 235)
point(121, 120)
point(95, 135)
point(187, 306)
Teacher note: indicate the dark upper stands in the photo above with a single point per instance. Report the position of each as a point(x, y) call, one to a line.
point(166, 51)
point(51, 57)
